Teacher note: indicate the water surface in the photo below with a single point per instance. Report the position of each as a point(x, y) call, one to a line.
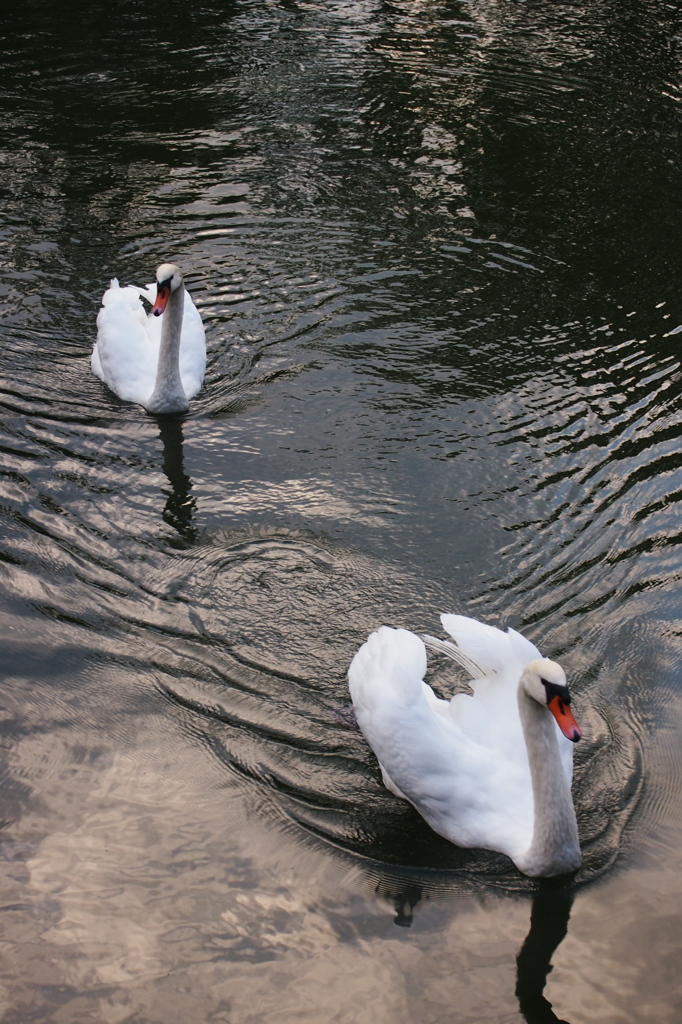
point(436, 249)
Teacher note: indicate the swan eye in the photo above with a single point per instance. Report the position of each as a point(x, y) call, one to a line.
point(554, 690)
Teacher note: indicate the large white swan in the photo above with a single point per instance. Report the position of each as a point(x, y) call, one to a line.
point(490, 770)
point(158, 364)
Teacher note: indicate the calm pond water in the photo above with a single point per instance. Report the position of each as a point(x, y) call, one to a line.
point(436, 245)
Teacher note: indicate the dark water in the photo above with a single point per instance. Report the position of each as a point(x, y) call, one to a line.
point(436, 246)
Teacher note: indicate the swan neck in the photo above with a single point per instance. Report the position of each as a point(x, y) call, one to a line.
point(555, 847)
point(169, 394)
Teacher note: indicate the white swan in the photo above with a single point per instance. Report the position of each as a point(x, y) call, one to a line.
point(490, 770)
point(159, 365)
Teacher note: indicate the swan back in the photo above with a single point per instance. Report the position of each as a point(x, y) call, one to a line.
point(467, 791)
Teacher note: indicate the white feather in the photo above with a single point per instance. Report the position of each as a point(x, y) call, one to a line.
point(463, 763)
point(126, 353)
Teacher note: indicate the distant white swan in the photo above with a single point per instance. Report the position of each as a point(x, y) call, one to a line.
point(490, 770)
point(158, 364)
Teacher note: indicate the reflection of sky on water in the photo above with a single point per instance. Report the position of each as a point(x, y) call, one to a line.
point(140, 903)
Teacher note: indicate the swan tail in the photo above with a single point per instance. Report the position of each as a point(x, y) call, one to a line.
point(390, 665)
point(113, 292)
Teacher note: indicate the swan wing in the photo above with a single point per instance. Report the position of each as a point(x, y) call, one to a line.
point(124, 355)
point(192, 349)
point(495, 660)
point(522, 649)
point(466, 791)
point(500, 658)
point(95, 363)
point(464, 708)
point(493, 651)
point(148, 292)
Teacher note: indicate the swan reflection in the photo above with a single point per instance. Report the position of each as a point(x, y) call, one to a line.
point(549, 917)
point(548, 927)
point(180, 503)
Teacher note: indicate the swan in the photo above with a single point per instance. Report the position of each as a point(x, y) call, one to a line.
point(159, 365)
point(490, 769)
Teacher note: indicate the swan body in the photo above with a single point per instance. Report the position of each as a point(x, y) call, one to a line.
point(155, 360)
point(490, 769)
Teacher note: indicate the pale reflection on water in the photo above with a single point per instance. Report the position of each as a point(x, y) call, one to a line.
point(150, 902)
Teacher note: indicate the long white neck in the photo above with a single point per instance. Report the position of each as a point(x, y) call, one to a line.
point(168, 394)
point(555, 848)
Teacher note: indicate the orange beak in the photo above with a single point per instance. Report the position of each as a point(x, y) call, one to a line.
point(565, 719)
point(163, 291)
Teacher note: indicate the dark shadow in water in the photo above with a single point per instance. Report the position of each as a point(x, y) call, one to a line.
point(548, 927)
point(405, 903)
point(180, 504)
point(549, 918)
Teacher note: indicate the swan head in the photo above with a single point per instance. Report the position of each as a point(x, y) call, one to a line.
point(168, 280)
point(545, 682)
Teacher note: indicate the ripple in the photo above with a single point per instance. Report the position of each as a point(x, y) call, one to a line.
point(437, 259)
point(324, 780)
